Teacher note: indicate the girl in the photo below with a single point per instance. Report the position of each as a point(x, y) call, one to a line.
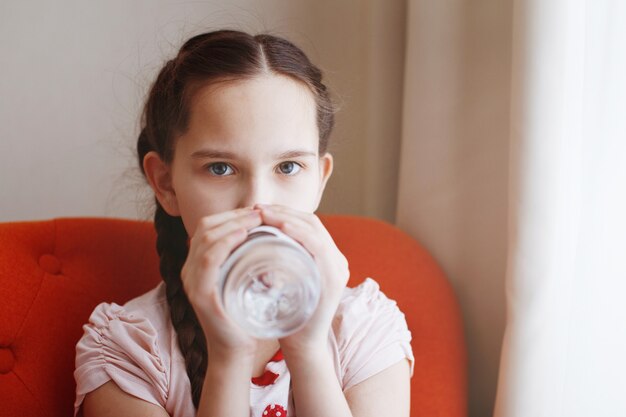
point(234, 135)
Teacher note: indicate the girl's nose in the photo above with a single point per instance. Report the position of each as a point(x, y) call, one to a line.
point(255, 191)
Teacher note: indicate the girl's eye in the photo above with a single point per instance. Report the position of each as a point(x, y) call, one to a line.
point(289, 168)
point(220, 169)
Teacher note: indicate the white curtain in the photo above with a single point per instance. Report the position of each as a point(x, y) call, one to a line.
point(513, 171)
point(565, 343)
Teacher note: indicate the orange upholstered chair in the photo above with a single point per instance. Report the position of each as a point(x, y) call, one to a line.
point(53, 273)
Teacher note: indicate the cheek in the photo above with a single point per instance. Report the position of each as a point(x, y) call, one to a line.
point(198, 202)
point(301, 195)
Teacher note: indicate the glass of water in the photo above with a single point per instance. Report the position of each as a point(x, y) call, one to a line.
point(270, 284)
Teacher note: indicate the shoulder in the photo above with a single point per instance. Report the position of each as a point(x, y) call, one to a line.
point(369, 333)
point(128, 344)
point(140, 319)
point(138, 327)
point(363, 304)
point(150, 307)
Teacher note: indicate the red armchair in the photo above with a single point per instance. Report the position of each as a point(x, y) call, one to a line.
point(53, 273)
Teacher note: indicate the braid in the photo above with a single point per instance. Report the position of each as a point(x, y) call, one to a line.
point(172, 249)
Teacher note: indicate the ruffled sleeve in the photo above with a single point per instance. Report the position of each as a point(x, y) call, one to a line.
point(371, 334)
point(120, 346)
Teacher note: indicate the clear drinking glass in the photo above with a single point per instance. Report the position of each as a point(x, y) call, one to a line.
point(270, 284)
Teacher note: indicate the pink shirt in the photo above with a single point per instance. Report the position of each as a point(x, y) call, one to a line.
point(135, 346)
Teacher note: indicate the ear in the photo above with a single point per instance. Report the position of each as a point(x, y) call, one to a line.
point(159, 176)
point(326, 169)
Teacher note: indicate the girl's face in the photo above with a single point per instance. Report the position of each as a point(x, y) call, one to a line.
point(250, 141)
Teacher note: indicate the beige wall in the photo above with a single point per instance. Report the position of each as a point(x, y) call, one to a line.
point(74, 75)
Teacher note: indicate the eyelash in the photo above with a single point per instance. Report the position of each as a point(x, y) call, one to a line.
point(210, 166)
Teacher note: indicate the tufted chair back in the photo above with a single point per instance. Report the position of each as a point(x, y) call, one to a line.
point(53, 273)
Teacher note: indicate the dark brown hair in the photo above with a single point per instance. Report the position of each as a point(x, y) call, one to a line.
point(204, 59)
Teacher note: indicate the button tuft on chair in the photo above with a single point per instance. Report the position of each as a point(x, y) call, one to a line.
point(50, 264)
point(7, 360)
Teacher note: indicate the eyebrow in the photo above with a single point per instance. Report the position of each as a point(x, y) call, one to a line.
point(216, 154)
point(210, 153)
point(295, 154)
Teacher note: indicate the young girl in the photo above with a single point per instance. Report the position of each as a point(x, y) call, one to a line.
point(234, 135)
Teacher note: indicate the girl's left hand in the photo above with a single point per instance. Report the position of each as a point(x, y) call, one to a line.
point(308, 230)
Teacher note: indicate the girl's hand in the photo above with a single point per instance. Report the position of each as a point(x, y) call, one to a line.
point(308, 230)
point(214, 239)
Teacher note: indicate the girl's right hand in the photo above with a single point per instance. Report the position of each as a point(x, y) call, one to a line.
point(214, 239)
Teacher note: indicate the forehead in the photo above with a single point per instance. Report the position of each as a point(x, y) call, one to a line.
point(265, 111)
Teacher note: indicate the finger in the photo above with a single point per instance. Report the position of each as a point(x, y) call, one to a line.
point(315, 238)
point(220, 240)
point(210, 222)
point(204, 237)
point(276, 213)
point(209, 261)
point(308, 222)
point(276, 208)
point(278, 219)
point(245, 222)
point(306, 229)
point(220, 249)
